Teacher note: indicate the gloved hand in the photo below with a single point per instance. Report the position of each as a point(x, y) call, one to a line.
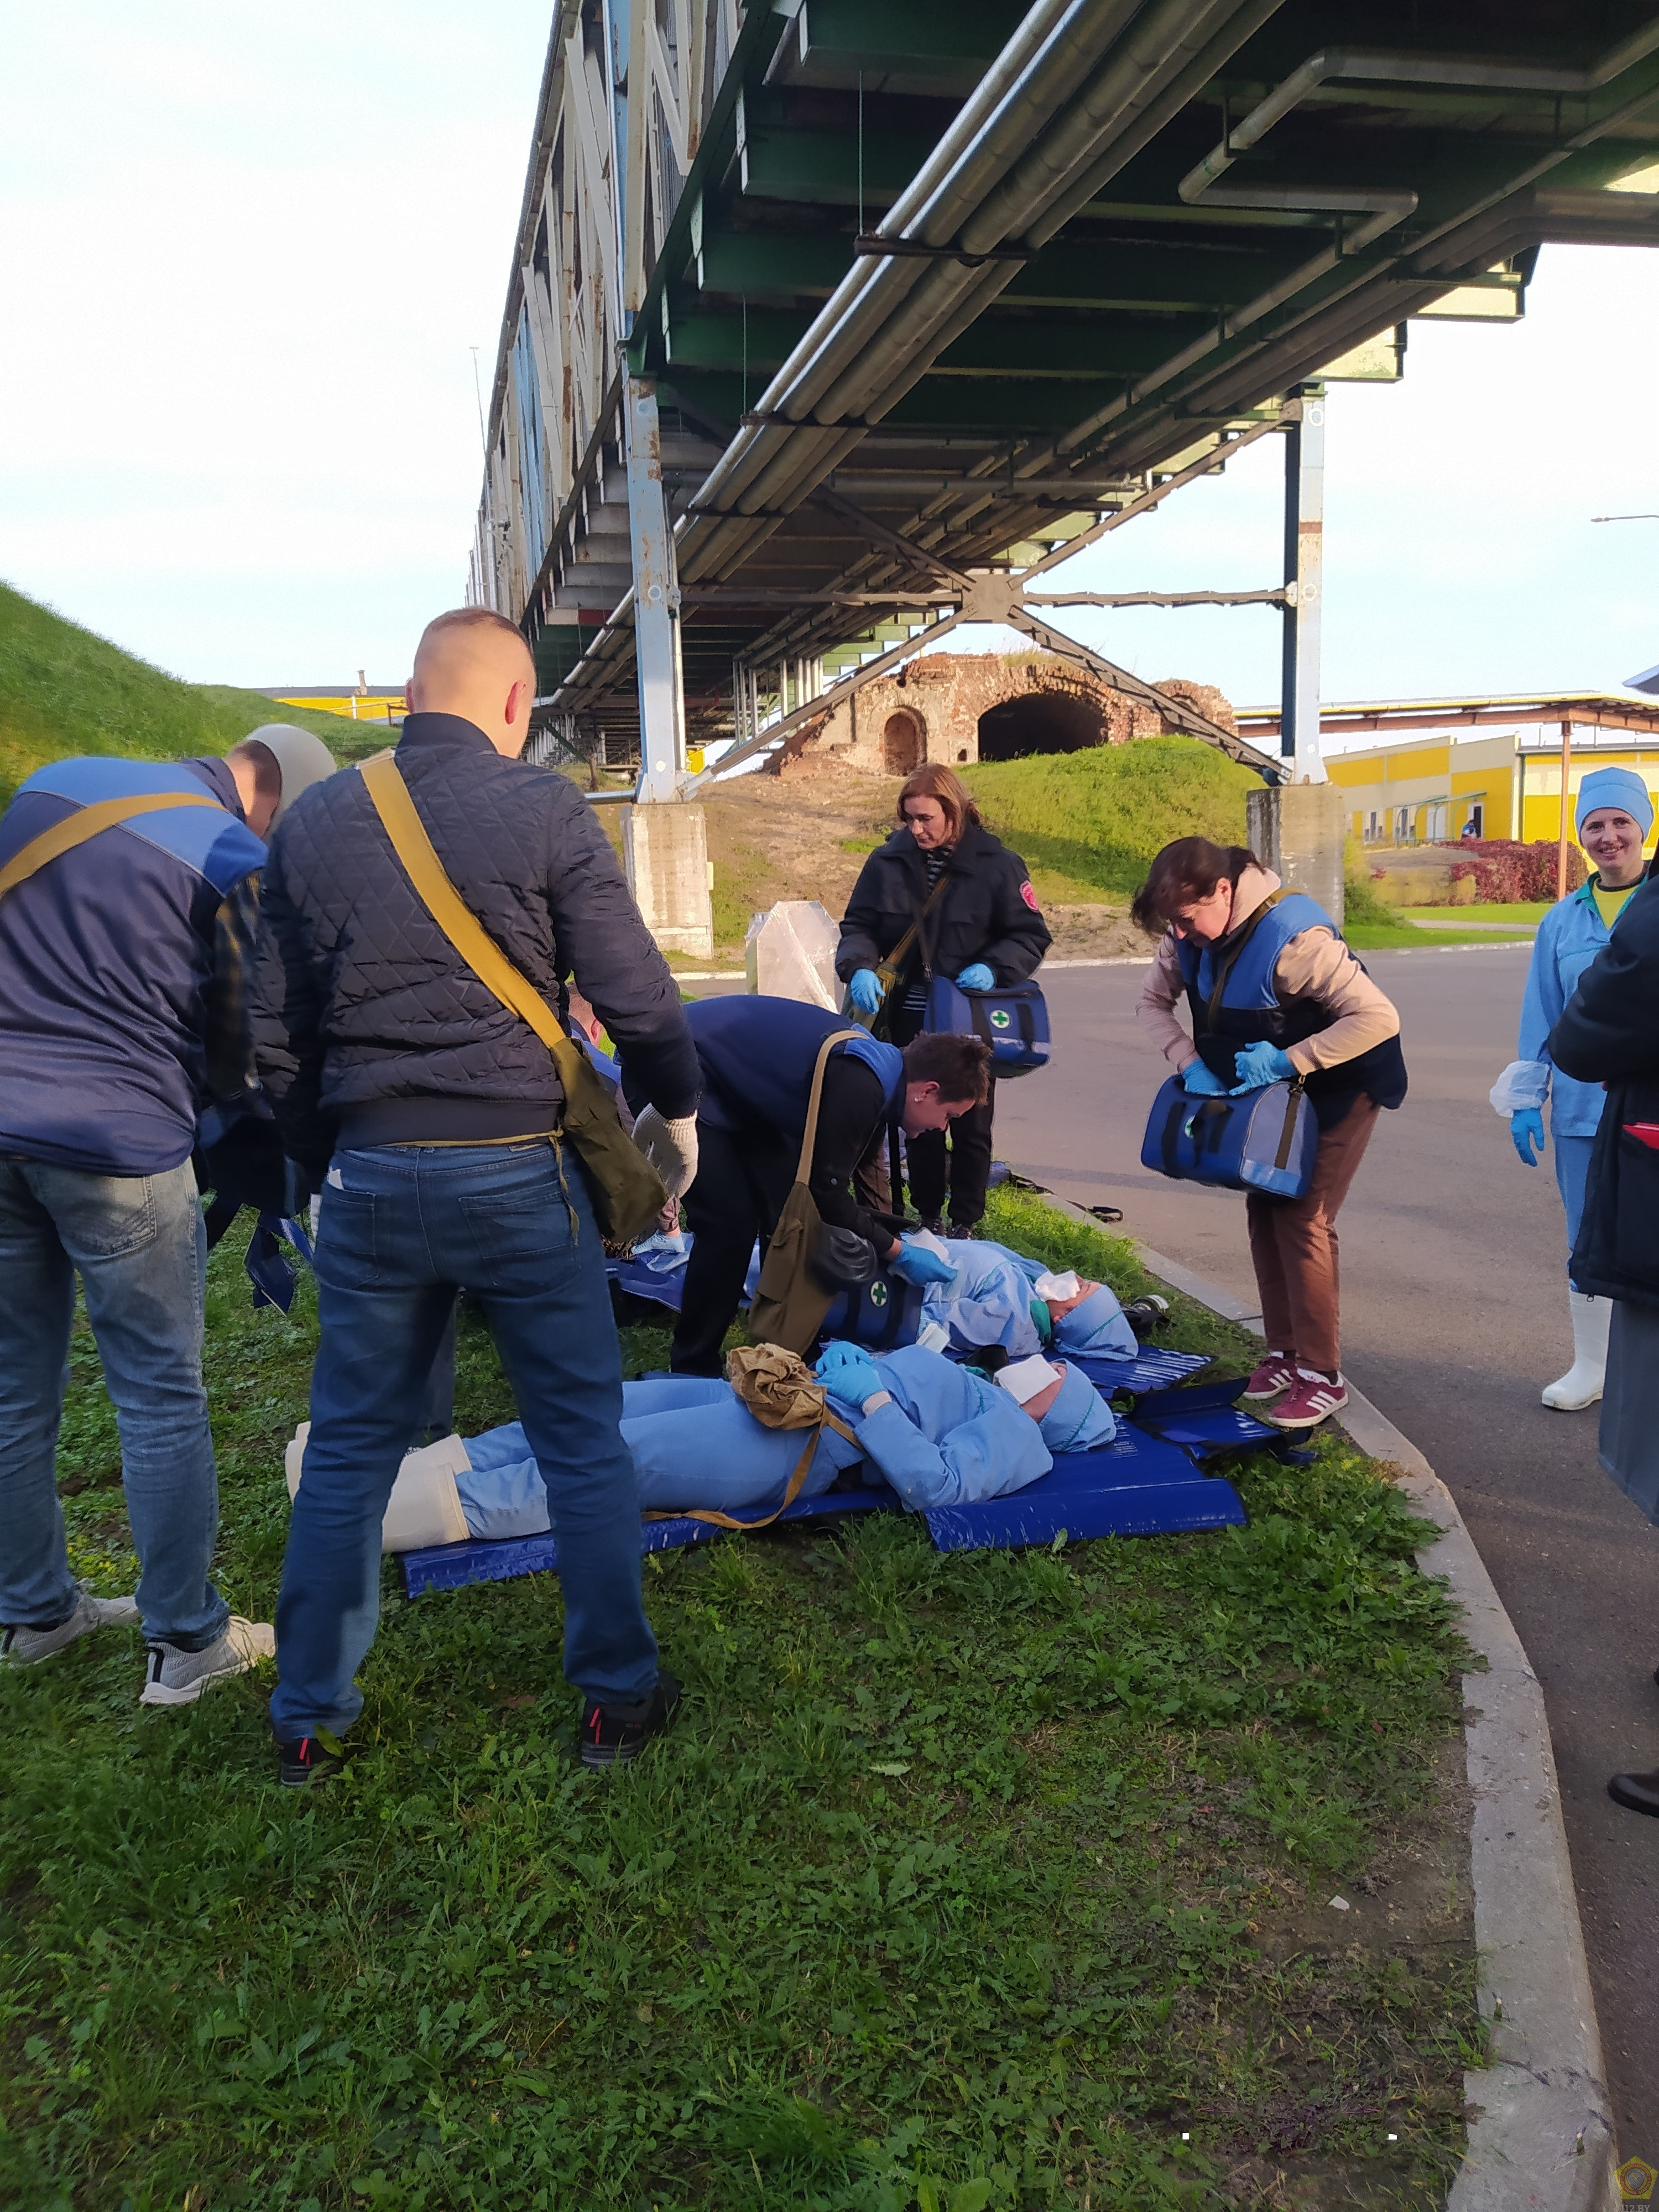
point(916, 1264)
point(849, 1372)
point(1198, 1081)
point(863, 991)
point(976, 976)
point(1259, 1064)
point(1527, 1132)
point(671, 1147)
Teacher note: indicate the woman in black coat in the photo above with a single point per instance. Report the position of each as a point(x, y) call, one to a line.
point(1609, 1034)
point(983, 928)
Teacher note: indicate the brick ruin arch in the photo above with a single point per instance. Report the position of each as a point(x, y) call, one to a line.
point(904, 742)
point(959, 708)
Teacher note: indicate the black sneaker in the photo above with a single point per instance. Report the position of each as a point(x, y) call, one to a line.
point(614, 1733)
point(306, 1760)
point(933, 1224)
point(969, 1229)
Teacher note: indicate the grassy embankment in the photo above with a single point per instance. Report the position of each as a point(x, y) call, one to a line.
point(64, 691)
point(981, 1880)
point(1093, 820)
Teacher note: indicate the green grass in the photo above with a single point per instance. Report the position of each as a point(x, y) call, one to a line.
point(1095, 819)
point(1406, 939)
point(953, 1886)
point(64, 690)
point(1528, 911)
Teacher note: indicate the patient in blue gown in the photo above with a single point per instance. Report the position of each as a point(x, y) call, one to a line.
point(946, 1434)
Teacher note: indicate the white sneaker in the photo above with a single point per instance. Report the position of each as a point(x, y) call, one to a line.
point(178, 1678)
point(24, 1647)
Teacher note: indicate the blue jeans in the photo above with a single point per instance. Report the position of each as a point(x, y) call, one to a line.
point(141, 1251)
point(1572, 1159)
point(403, 1228)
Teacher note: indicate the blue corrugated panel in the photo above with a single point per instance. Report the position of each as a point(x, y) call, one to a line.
point(1151, 1369)
point(1139, 1486)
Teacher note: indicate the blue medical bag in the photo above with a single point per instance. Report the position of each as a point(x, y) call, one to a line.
point(880, 1314)
point(1262, 1140)
point(1011, 1018)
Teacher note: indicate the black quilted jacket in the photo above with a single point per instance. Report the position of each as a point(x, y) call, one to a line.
point(369, 1027)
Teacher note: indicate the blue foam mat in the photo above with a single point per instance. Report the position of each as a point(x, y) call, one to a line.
point(1140, 1485)
point(1151, 1369)
point(450, 1567)
point(1137, 1486)
point(1206, 1421)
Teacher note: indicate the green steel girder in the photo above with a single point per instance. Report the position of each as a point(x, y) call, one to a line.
point(1082, 332)
point(784, 156)
point(897, 44)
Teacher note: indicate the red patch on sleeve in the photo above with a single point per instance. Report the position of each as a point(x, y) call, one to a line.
point(1028, 896)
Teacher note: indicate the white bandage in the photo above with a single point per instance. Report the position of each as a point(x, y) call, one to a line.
point(671, 1147)
point(425, 1505)
point(1061, 1287)
point(1025, 1379)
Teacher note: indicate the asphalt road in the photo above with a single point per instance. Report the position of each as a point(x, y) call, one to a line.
point(1454, 1317)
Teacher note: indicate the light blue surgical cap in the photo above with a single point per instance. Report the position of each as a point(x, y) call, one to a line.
point(1079, 1418)
point(1096, 1326)
point(1614, 786)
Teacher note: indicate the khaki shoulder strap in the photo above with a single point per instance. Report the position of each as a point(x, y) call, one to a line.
point(901, 952)
point(804, 1171)
point(74, 829)
point(409, 841)
point(791, 1490)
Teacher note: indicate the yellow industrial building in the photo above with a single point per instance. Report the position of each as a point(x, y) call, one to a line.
point(1464, 773)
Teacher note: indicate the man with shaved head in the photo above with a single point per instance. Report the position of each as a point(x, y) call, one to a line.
point(429, 1117)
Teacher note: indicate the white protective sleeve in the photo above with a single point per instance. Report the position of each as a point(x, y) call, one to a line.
point(1524, 1084)
point(424, 1507)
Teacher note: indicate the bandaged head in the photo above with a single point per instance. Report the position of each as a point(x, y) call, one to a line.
point(1079, 1418)
point(1097, 1325)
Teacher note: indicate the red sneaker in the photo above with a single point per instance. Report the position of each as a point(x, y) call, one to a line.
point(1311, 1400)
point(1277, 1372)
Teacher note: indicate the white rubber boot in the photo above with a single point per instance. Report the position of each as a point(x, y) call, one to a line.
point(1581, 1385)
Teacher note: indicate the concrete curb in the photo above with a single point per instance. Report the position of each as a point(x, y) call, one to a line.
point(1541, 2132)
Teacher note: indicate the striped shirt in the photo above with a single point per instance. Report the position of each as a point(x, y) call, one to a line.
point(915, 997)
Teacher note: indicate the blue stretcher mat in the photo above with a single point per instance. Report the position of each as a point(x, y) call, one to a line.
point(450, 1567)
point(1206, 1421)
point(1151, 1369)
point(1137, 1486)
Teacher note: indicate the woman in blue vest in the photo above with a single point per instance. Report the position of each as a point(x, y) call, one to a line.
point(1273, 992)
point(1613, 815)
point(756, 1057)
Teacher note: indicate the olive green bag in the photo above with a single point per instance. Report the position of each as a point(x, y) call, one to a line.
point(628, 1193)
point(790, 1301)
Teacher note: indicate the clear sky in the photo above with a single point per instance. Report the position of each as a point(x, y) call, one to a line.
point(243, 254)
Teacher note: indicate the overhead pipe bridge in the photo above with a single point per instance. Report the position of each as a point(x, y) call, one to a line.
point(833, 324)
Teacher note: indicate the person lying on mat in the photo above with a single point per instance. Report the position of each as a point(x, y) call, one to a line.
point(939, 1433)
point(993, 1297)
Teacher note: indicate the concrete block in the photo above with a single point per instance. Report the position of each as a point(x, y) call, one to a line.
point(790, 953)
point(665, 853)
point(1297, 830)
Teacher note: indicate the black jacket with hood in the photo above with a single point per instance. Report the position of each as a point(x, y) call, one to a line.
point(988, 911)
point(1609, 1033)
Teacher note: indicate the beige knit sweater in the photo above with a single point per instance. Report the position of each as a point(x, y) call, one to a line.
point(1314, 965)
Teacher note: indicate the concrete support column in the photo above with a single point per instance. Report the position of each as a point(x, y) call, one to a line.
point(665, 852)
point(1304, 565)
point(1297, 830)
point(665, 843)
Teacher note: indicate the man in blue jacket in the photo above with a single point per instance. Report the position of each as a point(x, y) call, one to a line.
point(429, 1117)
point(128, 902)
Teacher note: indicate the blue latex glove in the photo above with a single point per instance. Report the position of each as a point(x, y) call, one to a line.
point(849, 1372)
point(863, 991)
point(1259, 1064)
point(1527, 1130)
point(916, 1264)
point(1200, 1082)
point(976, 976)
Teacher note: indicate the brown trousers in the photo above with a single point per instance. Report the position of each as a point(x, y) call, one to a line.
point(1293, 1247)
